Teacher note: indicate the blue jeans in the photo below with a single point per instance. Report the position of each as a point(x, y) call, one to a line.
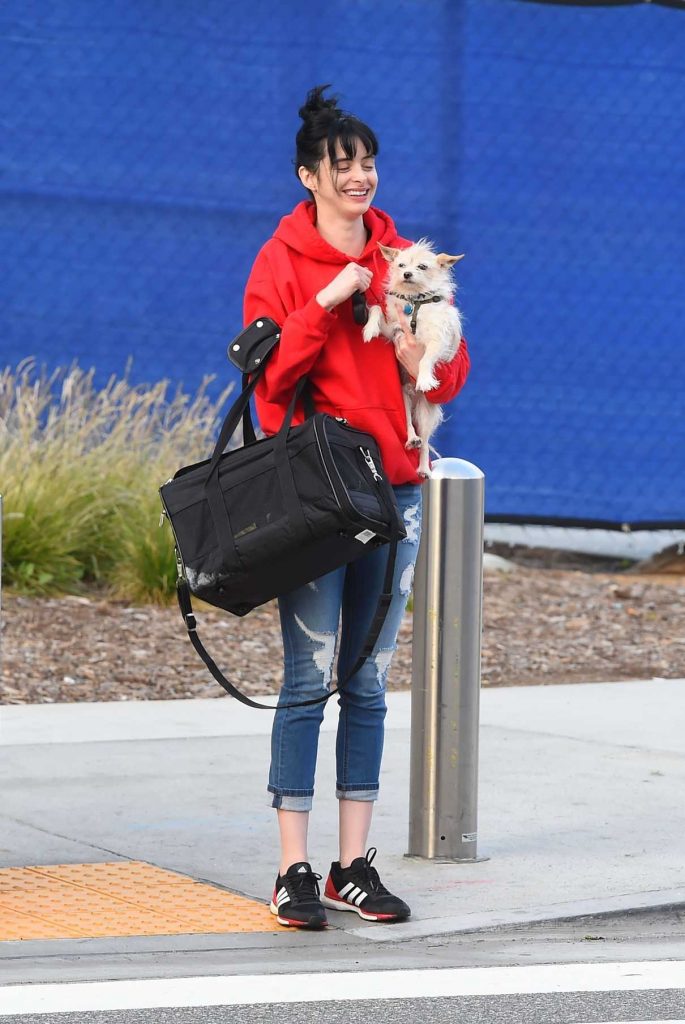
point(310, 617)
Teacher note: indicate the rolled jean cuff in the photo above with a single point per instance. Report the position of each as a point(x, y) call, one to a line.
point(370, 793)
point(292, 801)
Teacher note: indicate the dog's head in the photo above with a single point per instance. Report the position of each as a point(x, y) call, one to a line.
point(420, 269)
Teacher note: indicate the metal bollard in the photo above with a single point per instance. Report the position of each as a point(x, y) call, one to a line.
point(448, 599)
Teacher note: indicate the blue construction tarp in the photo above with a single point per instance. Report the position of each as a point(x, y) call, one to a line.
point(147, 154)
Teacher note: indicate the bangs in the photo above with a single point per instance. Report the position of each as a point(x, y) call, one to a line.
point(347, 131)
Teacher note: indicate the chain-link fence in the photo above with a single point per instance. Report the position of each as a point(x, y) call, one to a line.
point(148, 154)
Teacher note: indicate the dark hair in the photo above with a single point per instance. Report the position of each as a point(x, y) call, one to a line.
point(325, 124)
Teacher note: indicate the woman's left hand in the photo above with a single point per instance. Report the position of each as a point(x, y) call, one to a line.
point(409, 350)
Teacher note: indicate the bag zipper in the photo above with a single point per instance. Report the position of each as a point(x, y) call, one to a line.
point(372, 466)
point(368, 459)
point(164, 512)
point(318, 445)
point(180, 567)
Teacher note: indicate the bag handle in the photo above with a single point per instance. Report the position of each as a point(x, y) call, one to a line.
point(217, 508)
point(284, 470)
point(248, 351)
point(241, 408)
point(249, 436)
point(184, 601)
point(231, 421)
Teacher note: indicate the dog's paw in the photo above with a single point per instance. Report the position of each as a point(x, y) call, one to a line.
point(372, 327)
point(426, 383)
point(413, 442)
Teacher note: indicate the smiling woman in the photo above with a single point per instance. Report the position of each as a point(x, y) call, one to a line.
point(322, 255)
point(342, 186)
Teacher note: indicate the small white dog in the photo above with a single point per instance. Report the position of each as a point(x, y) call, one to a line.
point(420, 286)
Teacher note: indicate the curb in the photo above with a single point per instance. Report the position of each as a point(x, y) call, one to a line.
point(611, 906)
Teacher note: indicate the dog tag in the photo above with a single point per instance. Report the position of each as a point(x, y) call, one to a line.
point(408, 308)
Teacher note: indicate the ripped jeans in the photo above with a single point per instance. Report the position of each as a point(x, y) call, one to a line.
point(309, 621)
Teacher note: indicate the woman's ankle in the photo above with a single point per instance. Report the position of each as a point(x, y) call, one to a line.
point(293, 828)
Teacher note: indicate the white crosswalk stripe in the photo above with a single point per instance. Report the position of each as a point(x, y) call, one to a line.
point(299, 988)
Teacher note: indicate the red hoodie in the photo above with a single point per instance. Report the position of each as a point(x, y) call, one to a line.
point(348, 376)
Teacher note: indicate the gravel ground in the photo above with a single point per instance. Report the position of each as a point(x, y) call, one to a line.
point(553, 619)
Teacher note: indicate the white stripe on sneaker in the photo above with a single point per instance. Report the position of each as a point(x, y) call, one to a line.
point(351, 896)
point(346, 888)
point(360, 898)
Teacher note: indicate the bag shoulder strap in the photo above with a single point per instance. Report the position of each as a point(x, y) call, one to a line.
point(184, 601)
point(250, 352)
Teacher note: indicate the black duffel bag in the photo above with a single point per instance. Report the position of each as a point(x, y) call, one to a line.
point(261, 520)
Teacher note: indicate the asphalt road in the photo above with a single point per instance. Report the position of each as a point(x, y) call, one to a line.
point(570, 1008)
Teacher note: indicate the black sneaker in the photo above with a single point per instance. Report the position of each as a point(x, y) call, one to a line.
point(360, 889)
point(296, 899)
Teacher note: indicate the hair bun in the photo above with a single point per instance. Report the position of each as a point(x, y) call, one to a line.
point(326, 129)
point(316, 104)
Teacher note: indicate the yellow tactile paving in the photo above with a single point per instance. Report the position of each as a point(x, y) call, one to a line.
point(61, 901)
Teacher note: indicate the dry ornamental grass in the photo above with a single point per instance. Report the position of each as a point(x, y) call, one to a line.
point(79, 471)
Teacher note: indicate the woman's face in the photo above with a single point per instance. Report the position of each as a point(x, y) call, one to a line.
point(345, 188)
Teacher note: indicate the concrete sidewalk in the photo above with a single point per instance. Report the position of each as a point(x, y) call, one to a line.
point(581, 804)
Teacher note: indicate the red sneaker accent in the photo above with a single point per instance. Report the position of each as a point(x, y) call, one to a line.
point(300, 924)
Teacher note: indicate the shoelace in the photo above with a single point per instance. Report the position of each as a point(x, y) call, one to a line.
point(305, 886)
point(368, 876)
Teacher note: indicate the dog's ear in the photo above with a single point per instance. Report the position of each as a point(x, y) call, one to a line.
point(388, 253)
point(445, 260)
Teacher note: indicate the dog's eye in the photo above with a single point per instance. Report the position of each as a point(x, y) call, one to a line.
point(422, 266)
point(400, 264)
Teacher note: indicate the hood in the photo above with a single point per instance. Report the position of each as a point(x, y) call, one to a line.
point(298, 231)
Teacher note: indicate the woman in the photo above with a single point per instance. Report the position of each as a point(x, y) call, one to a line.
point(303, 278)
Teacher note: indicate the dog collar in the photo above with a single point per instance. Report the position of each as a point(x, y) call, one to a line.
point(412, 304)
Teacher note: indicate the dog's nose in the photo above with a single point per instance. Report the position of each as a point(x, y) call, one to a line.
point(408, 275)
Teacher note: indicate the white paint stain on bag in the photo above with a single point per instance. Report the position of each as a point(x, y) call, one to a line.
point(323, 658)
point(200, 579)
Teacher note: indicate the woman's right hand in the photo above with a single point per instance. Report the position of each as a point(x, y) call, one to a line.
point(351, 279)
